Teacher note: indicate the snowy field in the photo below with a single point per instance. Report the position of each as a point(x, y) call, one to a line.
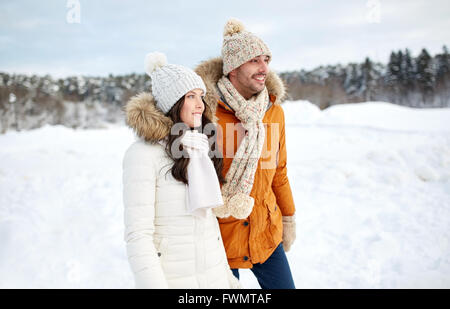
point(371, 183)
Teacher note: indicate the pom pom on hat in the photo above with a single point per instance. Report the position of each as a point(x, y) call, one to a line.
point(154, 61)
point(233, 26)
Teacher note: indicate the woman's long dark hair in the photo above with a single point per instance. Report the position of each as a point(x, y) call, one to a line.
point(179, 168)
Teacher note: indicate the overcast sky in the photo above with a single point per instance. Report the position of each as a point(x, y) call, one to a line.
point(113, 36)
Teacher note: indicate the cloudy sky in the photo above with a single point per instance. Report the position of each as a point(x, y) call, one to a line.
point(99, 37)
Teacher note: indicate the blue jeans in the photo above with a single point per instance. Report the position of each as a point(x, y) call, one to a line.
point(273, 273)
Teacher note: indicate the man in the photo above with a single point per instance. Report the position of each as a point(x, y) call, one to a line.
point(257, 220)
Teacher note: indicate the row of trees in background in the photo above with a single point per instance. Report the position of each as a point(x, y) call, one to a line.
point(28, 102)
point(422, 81)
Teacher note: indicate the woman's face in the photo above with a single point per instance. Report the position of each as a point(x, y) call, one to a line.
point(193, 107)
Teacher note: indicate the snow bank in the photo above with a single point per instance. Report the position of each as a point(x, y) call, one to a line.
point(379, 115)
point(371, 183)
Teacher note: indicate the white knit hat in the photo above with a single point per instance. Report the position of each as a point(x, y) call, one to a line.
point(170, 81)
point(239, 46)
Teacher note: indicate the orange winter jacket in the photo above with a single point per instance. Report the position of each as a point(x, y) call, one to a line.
point(253, 240)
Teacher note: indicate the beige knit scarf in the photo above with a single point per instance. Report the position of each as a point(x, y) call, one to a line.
point(240, 177)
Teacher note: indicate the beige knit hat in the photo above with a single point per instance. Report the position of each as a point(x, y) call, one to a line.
point(239, 46)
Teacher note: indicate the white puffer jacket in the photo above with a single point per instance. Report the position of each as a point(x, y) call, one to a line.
point(166, 246)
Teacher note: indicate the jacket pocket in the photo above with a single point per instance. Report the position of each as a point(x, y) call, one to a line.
point(275, 220)
point(270, 201)
point(268, 237)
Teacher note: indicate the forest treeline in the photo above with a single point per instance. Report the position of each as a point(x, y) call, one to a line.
point(28, 102)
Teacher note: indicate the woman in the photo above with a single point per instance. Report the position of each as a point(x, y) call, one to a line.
point(171, 184)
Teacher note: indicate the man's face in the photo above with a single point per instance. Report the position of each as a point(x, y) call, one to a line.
point(250, 78)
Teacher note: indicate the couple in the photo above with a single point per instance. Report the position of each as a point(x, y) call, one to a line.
point(194, 214)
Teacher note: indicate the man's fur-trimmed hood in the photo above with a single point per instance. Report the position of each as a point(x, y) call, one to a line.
point(150, 123)
point(211, 71)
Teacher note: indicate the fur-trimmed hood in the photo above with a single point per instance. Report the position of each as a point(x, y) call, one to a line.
point(211, 71)
point(147, 120)
point(150, 123)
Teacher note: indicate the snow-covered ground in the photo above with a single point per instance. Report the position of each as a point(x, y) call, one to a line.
point(371, 183)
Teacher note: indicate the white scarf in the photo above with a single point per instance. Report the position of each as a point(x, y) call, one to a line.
point(203, 184)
